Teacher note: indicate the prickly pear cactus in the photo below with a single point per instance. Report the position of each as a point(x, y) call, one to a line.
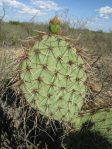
point(100, 120)
point(103, 122)
point(54, 78)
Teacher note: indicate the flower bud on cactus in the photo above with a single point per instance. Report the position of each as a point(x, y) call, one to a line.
point(54, 25)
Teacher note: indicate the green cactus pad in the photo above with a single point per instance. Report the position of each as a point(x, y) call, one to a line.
point(101, 122)
point(54, 78)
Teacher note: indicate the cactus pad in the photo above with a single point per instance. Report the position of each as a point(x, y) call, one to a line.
point(101, 121)
point(53, 78)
